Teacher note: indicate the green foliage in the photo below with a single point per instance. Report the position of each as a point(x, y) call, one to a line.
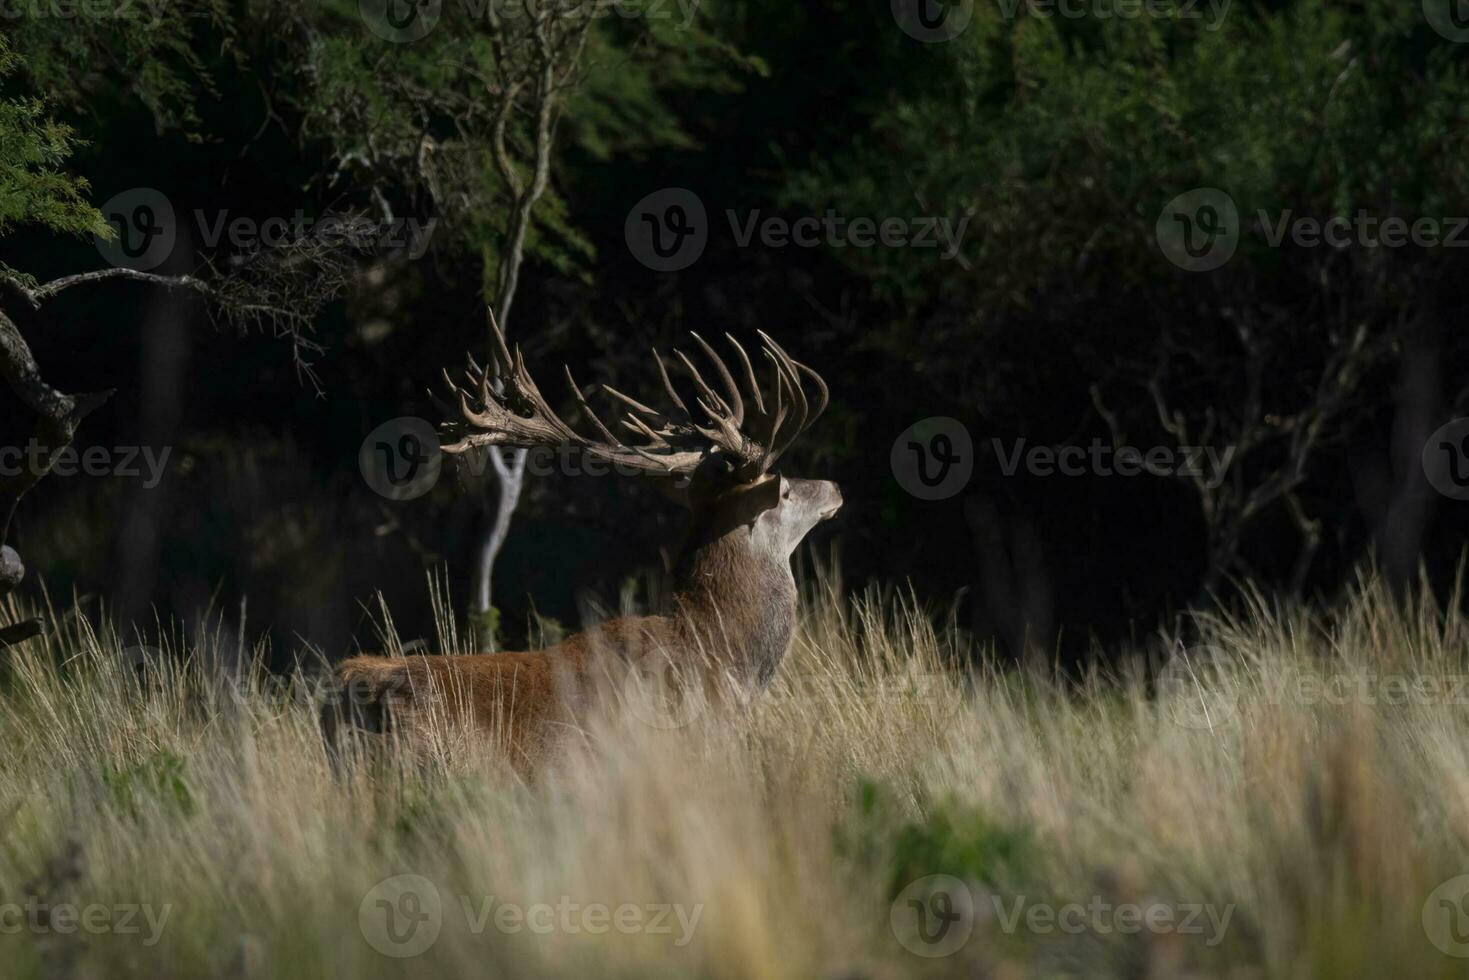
point(34, 147)
point(160, 779)
point(48, 65)
point(415, 121)
point(155, 53)
point(545, 631)
point(484, 626)
point(1062, 139)
point(953, 838)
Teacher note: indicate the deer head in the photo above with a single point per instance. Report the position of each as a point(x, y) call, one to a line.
point(718, 457)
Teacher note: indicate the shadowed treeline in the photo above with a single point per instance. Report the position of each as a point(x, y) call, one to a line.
point(1045, 198)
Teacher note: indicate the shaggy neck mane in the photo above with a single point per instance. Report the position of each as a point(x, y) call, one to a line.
point(735, 601)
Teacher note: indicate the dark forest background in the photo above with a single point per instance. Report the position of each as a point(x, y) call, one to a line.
point(1058, 140)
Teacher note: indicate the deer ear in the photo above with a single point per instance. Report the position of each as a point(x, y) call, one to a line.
point(716, 514)
point(743, 504)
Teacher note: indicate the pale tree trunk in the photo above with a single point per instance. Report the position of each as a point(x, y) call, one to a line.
point(508, 465)
point(553, 72)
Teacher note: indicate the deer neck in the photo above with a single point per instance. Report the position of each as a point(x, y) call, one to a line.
point(736, 600)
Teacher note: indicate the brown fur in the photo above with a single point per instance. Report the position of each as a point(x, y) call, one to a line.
point(733, 617)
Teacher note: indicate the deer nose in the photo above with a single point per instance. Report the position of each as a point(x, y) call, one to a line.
point(834, 504)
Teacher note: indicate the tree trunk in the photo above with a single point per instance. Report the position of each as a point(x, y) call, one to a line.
point(509, 481)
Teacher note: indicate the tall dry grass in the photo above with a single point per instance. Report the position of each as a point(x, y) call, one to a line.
point(1270, 777)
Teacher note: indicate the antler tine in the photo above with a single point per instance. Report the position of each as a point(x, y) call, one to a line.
point(668, 386)
point(794, 376)
point(820, 387)
point(462, 394)
point(706, 393)
point(643, 429)
point(465, 408)
point(793, 369)
point(479, 378)
point(631, 402)
point(780, 409)
point(586, 408)
point(612, 442)
point(725, 434)
point(796, 420)
point(453, 389)
point(499, 351)
point(502, 405)
point(749, 373)
point(475, 371)
point(736, 404)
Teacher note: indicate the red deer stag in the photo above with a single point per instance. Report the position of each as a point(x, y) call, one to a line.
point(733, 610)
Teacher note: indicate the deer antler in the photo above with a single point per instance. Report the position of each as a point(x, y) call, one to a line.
point(501, 405)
